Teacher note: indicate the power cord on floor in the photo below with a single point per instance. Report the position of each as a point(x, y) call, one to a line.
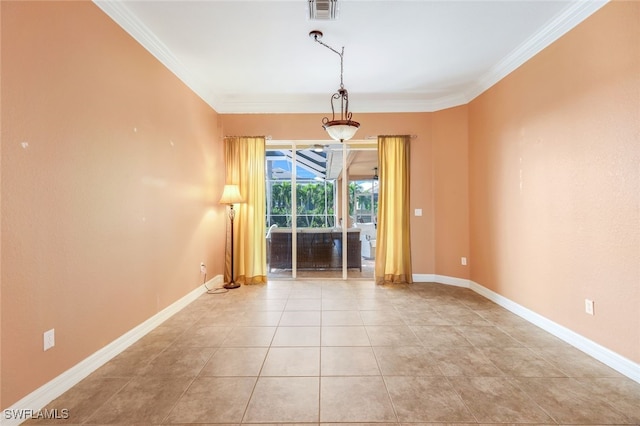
point(217, 290)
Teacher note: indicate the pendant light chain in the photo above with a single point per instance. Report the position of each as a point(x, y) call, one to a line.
point(341, 68)
point(343, 128)
point(341, 54)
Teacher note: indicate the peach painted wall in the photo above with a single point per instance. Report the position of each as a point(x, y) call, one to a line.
point(1, 405)
point(554, 153)
point(111, 173)
point(451, 191)
point(433, 162)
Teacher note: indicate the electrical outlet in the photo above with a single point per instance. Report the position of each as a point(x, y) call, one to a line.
point(203, 269)
point(588, 306)
point(463, 261)
point(49, 339)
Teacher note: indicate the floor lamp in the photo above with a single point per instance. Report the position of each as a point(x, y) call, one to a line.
point(231, 195)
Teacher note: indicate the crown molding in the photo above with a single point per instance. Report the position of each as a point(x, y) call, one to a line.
point(319, 105)
point(122, 16)
point(570, 17)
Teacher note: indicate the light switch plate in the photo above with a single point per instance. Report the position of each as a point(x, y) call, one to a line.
point(418, 212)
point(588, 306)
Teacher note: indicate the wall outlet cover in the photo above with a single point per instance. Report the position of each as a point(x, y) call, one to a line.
point(49, 339)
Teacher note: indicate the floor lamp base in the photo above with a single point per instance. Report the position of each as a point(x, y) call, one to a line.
point(231, 285)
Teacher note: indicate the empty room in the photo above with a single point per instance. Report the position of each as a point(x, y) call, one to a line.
point(320, 212)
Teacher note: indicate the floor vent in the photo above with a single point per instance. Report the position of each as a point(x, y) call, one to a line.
point(323, 10)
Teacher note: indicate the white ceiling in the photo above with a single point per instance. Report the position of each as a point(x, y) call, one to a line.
point(400, 56)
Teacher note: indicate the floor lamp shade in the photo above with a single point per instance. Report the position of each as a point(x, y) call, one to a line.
point(231, 195)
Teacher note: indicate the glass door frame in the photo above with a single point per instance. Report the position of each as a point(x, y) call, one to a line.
point(342, 215)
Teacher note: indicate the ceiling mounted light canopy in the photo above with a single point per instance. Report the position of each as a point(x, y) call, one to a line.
point(344, 128)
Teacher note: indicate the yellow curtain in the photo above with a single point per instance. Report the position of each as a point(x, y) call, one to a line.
point(393, 243)
point(245, 168)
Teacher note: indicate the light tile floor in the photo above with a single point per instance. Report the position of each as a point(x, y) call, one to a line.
point(350, 352)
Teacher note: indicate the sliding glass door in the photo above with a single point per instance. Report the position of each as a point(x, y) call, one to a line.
point(362, 202)
point(320, 222)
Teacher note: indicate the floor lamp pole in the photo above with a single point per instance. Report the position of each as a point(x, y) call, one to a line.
point(231, 284)
point(230, 196)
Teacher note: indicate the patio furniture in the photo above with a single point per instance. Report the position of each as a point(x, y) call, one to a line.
point(317, 248)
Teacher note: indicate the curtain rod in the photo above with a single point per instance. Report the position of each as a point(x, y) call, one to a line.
point(376, 136)
point(268, 137)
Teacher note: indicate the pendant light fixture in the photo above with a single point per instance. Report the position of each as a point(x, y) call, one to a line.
point(344, 128)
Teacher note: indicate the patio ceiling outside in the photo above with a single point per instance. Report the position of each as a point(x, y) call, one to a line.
point(322, 165)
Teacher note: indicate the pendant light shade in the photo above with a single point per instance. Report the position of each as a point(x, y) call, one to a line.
point(341, 130)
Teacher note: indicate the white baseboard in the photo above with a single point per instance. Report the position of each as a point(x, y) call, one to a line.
point(606, 356)
point(619, 363)
point(440, 279)
point(39, 398)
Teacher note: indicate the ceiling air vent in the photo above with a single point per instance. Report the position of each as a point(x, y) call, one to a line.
point(325, 10)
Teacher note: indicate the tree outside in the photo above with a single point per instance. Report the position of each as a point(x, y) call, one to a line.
point(314, 203)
